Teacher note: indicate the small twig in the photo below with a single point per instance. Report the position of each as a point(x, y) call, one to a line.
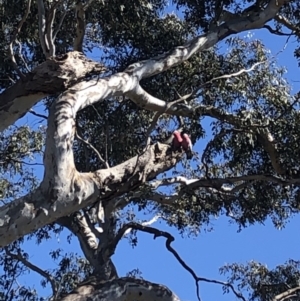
point(37, 114)
point(93, 148)
point(235, 74)
point(274, 31)
point(34, 268)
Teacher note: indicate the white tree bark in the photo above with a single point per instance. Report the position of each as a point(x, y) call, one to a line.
point(63, 189)
point(45, 80)
point(122, 289)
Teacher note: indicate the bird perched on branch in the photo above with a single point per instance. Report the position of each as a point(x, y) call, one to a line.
point(182, 140)
point(177, 140)
point(187, 145)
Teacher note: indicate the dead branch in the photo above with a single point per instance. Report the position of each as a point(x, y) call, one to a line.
point(169, 240)
point(105, 163)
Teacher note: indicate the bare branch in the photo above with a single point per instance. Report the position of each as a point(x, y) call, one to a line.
point(37, 114)
point(59, 25)
point(78, 190)
point(169, 240)
point(277, 32)
point(50, 79)
point(219, 185)
point(235, 74)
point(121, 83)
point(14, 38)
point(36, 269)
point(105, 163)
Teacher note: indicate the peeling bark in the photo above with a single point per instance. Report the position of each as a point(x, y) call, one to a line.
point(51, 77)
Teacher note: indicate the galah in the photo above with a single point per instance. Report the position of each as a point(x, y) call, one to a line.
point(187, 145)
point(177, 140)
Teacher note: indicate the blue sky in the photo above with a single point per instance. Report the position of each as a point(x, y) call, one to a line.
point(210, 250)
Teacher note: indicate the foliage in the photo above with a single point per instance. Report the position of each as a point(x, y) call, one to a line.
point(124, 32)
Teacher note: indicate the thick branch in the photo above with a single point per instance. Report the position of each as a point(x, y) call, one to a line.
point(78, 225)
point(69, 192)
point(122, 289)
point(51, 77)
point(127, 82)
point(219, 185)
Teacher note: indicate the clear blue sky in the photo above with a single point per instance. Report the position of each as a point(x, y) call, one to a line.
point(209, 251)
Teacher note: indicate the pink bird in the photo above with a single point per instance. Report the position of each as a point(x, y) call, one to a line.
point(177, 140)
point(187, 145)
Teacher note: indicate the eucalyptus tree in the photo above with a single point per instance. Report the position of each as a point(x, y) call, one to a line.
point(105, 136)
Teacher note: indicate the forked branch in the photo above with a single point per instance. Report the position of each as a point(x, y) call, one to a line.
point(169, 240)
